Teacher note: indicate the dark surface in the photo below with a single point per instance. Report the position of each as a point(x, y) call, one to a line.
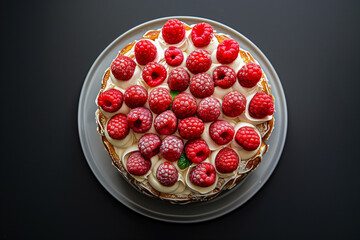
point(48, 190)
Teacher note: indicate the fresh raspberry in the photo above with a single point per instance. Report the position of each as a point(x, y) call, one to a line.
point(174, 56)
point(227, 51)
point(123, 68)
point(198, 61)
point(171, 148)
point(234, 104)
point(110, 100)
point(173, 31)
point(224, 77)
point(209, 109)
point(197, 150)
point(167, 174)
point(261, 105)
point(249, 75)
point(203, 175)
point(247, 138)
point(117, 126)
point(190, 128)
point(221, 132)
point(201, 85)
point(178, 79)
point(165, 123)
point(184, 105)
point(159, 100)
point(139, 119)
point(137, 165)
point(227, 160)
point(135, 96)
point(149, 145)
point(154, 74)
point(145, 52)
point(201, 34)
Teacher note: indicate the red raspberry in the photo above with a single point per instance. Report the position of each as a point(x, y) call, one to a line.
point(154, 74)
point(203, 175)
point(224, 77)
point(167, 174)
point(184, 105)
point(209, 109)
point(117, 126)
point(221, 132)
point(135, 96)
point(123, 68)
point(166, 123)
point(145, 52)
point(227, 160)
point(159, 100)
point(110, 100)
point(179, 79)
point(173, 31)
point(149, 145)
point(201, 34)
point(234, 104)
point(171, 148)
point(174, 56)
point(249, 75)
point(247, 138)
point(190, 128)
point(197, 150)
point(201, 85)
point(227, 51)
point(198, 61)
point(137, 165)
point(139, 119)
point(261, 105)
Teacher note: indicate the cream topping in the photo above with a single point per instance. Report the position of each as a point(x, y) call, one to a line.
point(244, 154)
point(245, 116)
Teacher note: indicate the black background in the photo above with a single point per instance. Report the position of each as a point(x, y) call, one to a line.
point(48, 190)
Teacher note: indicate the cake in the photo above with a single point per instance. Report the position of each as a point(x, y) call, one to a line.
point(184, 112)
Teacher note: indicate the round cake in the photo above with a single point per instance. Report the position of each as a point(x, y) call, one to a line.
point(184, 112)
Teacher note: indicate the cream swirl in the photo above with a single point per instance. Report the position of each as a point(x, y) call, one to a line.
point(209, 48)
point(182, 45)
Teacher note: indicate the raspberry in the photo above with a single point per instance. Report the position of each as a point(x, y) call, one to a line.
point(171, 148)
point(139, 119)
point(234, 104)
point(149, 145)
point(184, 105)
point(197, 150)
point(201, 34)
point(201, 85)
point(166, 123)
point(135, 96)
point(247, 138)
point(198, 61)
point(123, 68)
point(209, 109)
point(117, 126)
point(110, 100)
point(203, 175)
point(159, 100)
point(221, 132)
point(249, 75)
point(261, 105)
point(224, 77)
point(227, 51)
point(154, 74)
point(173, 31)
point(190, 128)
point(227, 160)
point(145, 52)
point(179, 79)
point(167, 174)
point(137, 165)
point(174, 56)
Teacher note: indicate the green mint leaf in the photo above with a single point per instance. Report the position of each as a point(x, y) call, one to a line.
point(183, 161)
